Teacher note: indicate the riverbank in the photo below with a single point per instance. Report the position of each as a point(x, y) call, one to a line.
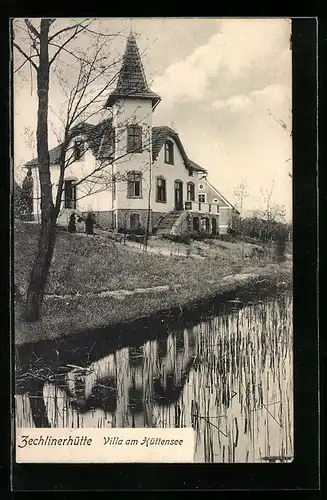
point(95, 282)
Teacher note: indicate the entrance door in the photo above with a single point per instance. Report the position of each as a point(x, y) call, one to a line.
point(178, 195)
point(214, 225)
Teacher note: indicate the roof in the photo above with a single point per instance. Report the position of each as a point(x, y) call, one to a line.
point(131, 79)
point(100, 139)
point(54, 157)
point(159, 137)
point(197, 167)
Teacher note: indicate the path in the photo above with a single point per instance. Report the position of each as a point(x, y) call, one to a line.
point(121, 294)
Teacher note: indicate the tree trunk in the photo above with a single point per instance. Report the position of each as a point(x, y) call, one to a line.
point(49, 214)
point(40, 270)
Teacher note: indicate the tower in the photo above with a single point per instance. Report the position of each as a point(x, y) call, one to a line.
point(132, 104)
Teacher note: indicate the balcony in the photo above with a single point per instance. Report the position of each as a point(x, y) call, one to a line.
point(207, 208)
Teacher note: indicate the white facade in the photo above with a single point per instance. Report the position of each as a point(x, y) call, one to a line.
point(171, 173)
point(132, 112)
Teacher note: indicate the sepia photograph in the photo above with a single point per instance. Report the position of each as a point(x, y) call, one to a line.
point(153, 235)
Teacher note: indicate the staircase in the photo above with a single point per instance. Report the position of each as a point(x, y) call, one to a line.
point(166, 224)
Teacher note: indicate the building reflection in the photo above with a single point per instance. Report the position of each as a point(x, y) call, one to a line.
point(133, 380)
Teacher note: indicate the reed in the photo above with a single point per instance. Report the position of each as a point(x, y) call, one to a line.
point(229, 377)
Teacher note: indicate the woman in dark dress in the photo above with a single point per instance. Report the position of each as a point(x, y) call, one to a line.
point(72, 224)
point(89, 223)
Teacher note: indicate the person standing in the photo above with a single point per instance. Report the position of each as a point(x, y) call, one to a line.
point(89, 223)
point(80, 227)
point(27, 192)
point(72, 224)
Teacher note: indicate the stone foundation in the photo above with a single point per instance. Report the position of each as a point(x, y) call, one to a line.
point(120, 219)
point(105, 219)
point(124, 218)
point(203, 222)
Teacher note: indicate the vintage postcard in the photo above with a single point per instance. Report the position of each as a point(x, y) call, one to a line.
point(153, 240)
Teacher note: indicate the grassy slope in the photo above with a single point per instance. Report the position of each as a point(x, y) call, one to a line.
point(90, 264)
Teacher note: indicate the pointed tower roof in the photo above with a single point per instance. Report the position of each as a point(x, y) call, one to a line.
point(132, 82)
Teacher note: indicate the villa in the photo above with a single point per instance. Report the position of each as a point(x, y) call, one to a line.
point(133, 175)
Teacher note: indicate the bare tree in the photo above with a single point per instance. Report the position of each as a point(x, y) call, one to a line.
point(271, 211)
point(240, 193)
point(43, 50)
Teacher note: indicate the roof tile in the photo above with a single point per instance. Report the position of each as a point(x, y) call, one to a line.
point(131, 79)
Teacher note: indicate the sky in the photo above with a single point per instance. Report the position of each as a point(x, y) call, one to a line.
point(226, 88)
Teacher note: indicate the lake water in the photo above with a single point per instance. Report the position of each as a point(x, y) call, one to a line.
point(229, 375)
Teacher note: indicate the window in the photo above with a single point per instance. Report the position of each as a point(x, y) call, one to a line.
point(134, 185)
point(169, 152)
point(70, 195)
point(134, 139)
point(113, 188)
point(202, 198)
point(78, 150)
point(161, 190)
point(134, 221)
point(190, 172)
point(190, 191)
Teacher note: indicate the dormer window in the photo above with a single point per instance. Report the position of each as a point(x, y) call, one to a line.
point(78, 150)
point(169, 152)
point(134, 139)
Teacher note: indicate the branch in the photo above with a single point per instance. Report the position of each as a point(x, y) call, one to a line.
point(32, 28)
point(24, 62)
point(69, 52)
point(105, 34)
point(77, 31)
point(28, 58)
point(66, 29)
point(99, 94)
point(88, 82)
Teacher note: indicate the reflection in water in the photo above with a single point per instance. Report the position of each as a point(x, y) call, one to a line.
point(229, 376)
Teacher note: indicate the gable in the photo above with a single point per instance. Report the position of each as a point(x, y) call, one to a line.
point(100, 139)
point(213, 193)
point(160, 135)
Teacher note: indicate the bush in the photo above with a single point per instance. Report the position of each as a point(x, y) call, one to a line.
point(138, 231)
point(139, 238)
point(184, 238)
point(201, 235)
point(178, 238)
point(227, 237)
